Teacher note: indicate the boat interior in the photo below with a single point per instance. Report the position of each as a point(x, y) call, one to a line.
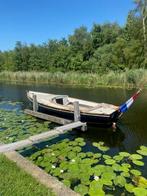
point(67, 103)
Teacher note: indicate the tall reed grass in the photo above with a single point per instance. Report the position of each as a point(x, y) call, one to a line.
point(127, 79)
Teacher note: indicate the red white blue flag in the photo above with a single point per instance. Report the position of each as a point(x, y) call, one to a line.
point(124, 107)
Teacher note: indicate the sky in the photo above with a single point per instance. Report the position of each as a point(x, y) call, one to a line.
point(37, 21)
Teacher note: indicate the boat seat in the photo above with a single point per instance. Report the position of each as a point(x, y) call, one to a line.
point(61, 99)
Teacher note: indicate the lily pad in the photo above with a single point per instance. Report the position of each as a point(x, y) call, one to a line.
point(135, 157)
point(120, 181)
point(139, 163)
point(140, 191)
point(82, 189)
point(135, 172)
point(129, 187)
point(110, 161)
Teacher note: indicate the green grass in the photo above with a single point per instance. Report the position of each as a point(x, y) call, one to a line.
point(15, 182)
point(127, 79)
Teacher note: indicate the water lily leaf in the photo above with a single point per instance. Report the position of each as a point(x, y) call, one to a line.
point(129, 187)
point(139, 191)
point(77, 149)
point(89, 154)
point(107, 182)
point(125, 174)
point(96, 188)
point(140, 181)
point(82, 189)
point(82, 155)
point(79, 139)
point(110, 161)
point(82, 143)
point(103, 148)
point(66, 182)
point(106, 156)
point(124, 154)
point(108, 175)
point(95, 144)
point(85, 179)
point(97, 172)
point(97, 155)
point(139, 163)
point(120, 181)
point(135, 172)
point(126, 165)
point(118, 158)
point(135, 157)
point(142, 152)
point(116, 167)
point(71, 155)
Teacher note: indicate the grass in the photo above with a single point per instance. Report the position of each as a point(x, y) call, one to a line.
point(14, 181)
point(127, 79)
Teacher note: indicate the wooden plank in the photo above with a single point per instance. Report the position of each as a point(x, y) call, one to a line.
point(15, 145)
point(71, 126)
point(35, 104)
point(51, 118)
point(40, 137)
point(77, 115)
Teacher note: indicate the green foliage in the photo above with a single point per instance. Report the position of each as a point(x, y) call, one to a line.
point(90, 173)
point(15, 125)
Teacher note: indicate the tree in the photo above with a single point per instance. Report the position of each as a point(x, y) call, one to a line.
point(21, 56)
point(141, 9)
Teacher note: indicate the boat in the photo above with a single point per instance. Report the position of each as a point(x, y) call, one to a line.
point(90, 112)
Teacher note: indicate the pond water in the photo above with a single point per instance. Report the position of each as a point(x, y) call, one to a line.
point(132, 130)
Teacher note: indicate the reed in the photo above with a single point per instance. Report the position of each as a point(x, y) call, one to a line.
point(127, 79)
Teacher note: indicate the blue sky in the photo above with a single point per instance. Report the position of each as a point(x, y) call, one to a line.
point(36, 21)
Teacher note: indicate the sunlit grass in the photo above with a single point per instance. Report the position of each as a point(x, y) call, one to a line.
point(14, 181)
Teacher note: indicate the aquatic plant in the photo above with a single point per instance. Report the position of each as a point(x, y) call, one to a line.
point(128, 78)
point(15, 125)
point(90, 173)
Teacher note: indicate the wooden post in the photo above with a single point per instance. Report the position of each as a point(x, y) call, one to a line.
point(77, 115)
point(35, 104)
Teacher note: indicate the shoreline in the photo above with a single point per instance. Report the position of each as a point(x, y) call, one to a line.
point(126, 80)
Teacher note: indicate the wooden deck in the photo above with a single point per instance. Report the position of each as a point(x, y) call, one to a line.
point(40, 137)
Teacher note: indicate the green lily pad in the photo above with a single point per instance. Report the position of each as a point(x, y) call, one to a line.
point(106, 156)
point(82, 189)
point(67, 182)
point(110, 161)
point(120, 181)
point(124, 154)
point(135, 157)
point(118, 158)
point(139, 163)
point(142, 152)
point(125, 174)
point(116, 167)
point(135, 172)
point(140, 191)
point(129, 187)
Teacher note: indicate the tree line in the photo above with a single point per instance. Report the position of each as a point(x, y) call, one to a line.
point(105, 47)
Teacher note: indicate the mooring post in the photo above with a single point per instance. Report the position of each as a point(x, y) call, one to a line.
point(35, 104)
point(77, 115)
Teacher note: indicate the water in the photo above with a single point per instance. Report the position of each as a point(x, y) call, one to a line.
point(132, 130)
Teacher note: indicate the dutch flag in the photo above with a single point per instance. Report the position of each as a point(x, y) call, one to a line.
point(124, 107)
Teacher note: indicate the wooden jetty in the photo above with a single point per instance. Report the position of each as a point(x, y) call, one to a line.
point(40, 137)
point(67, 125)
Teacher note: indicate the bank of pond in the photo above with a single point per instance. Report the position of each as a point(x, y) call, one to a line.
point(89, 168)
point(122, 79)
